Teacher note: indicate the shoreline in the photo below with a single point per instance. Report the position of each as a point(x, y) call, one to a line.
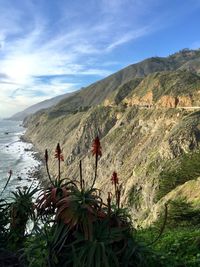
point(40, 172)
point(26, 164)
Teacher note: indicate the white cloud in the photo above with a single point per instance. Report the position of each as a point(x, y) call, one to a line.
point(132, 35)
point(17, 99)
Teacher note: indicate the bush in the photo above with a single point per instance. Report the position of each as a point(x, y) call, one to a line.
point(187, 169)
point(177, 247)
point(182, 213)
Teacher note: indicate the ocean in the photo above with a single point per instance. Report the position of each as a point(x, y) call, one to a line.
point(17, 156)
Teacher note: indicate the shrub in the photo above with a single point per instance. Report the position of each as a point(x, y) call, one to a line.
point(177, 247)
point(187, 169)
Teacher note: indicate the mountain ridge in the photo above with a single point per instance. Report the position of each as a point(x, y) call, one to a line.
point(89, 95)
point(38, 106)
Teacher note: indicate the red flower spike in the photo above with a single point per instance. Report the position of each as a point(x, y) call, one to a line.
point(58, 153)
point(114, 179)
point(96, 151)
point(96, 147)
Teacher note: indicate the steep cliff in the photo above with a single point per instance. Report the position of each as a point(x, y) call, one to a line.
point(149, 128)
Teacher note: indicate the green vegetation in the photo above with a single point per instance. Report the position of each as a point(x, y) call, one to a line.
point(183, 213)
point(122, 91)
point(134, 197)
point(174, 83)
point(176, 247)
point(187, 168)
point(180, 243)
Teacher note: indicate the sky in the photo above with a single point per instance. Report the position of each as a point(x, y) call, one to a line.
point(51, 47)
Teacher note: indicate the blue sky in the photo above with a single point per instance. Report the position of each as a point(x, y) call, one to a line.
point(50, 47)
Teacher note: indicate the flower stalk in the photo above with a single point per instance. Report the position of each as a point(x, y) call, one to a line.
point(96, 151)
point(59, 156)
point(81, 175)
point(115, 182)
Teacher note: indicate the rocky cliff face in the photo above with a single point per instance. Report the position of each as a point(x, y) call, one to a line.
point(146, 126)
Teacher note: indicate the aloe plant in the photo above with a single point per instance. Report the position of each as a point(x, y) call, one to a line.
point(46, 202)
point(80, 209)
point(21, 209)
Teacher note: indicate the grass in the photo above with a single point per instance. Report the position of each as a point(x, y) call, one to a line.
point(134, 197)
point(187, 168)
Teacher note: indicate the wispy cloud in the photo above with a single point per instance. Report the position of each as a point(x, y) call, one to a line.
point(132, 35)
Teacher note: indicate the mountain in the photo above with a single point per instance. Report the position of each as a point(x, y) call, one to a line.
point(39, 106)
point(148, 119)
point(98, 91)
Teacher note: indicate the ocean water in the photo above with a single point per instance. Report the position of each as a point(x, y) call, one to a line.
point(17, 156)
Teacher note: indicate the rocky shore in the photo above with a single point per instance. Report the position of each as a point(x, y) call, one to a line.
point(25, 163)
point(36, 173)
